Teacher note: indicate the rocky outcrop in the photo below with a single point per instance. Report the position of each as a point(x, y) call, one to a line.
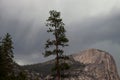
point(90, 64)
point(21, 74)
point(100, 65)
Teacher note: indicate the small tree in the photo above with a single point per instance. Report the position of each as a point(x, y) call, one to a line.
point(58, 41)
point(6, 57)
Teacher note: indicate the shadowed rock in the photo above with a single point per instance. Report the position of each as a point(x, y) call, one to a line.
point(90, 64)
point(100, 65)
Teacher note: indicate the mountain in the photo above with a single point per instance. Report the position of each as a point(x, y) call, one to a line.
point(90, 64)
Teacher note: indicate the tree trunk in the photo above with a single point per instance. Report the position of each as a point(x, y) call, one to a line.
point(57, 59)
point(58, 71)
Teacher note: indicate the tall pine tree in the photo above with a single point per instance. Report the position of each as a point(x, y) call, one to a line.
point(6, 57)
point(55, 45)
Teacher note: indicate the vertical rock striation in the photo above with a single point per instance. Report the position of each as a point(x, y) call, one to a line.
point(100, 65)
point(90, 64)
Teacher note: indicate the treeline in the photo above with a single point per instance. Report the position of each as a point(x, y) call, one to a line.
point(9, 70)
point(6, 57)
point(54, 46)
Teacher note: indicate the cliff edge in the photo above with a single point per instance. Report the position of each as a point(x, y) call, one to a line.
point(100, 65)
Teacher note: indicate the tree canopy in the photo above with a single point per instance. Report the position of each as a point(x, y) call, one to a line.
point(55, 45)
point(6, 57)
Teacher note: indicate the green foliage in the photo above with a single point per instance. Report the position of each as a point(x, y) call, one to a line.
point(55, 45)
point(6, 57)
point(56, 27)
point(62, 66)
point(22, 76)
point(7, 64)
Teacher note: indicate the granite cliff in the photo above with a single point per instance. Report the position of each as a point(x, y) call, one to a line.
point(99, 65)
point(90, 64)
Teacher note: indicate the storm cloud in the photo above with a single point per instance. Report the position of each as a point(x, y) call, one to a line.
point(89, 24)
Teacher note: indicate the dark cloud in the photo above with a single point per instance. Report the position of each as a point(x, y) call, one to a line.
point(96, 29)
point(25, 21)
point(100, 32)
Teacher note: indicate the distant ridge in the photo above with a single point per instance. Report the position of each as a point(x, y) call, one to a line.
point(90, 64)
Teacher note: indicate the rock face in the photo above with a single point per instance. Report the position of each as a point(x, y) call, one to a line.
point(100, 65)
point(91, 64)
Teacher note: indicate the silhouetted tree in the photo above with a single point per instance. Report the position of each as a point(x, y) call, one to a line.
point(55, 45)
point(6, 57)
point(22, 76)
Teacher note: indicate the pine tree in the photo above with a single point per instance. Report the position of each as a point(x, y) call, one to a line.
point(55, 45)
point(6, 57)
point(22, 76)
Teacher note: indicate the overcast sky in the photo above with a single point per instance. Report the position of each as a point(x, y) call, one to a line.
point(89, 24)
